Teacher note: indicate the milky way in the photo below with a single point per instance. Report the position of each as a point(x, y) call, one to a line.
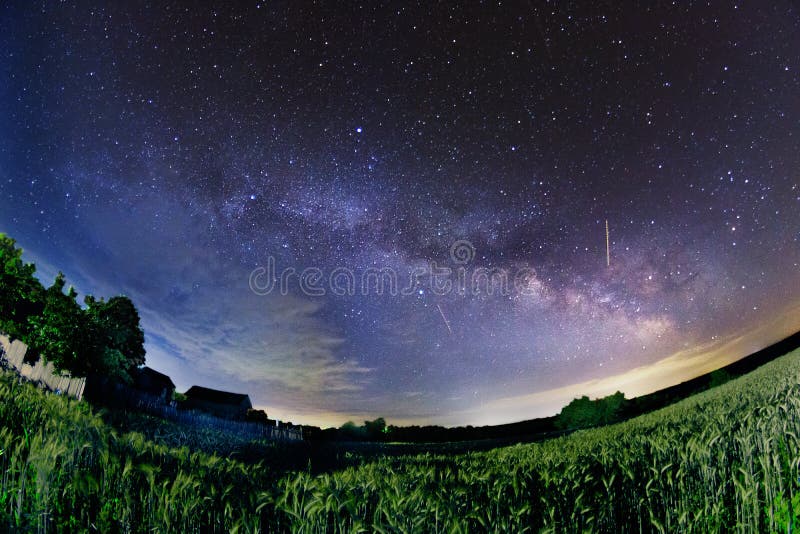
point(174, 153)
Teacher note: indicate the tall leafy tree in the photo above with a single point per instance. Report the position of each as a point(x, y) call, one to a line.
point(21, 294)
point(59, 333)
point(103, 338)
point(119, 344)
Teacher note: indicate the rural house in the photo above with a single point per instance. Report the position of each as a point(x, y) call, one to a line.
point(219, 403)
point(152, 382)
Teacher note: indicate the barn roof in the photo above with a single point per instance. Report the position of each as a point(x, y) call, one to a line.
point(215, 395)
point(156, 377)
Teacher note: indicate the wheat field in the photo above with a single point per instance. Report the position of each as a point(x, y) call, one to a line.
point(721, 461)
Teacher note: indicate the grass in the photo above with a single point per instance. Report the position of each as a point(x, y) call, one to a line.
point(724, 460)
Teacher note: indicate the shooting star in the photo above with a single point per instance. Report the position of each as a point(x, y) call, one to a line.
point(446, 322)
point(608, 247)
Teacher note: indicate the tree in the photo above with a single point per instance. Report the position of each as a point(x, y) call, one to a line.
point(59, 333)
point(579, 413)
point(257, 416)
point(350, 430)
point(376, 428)
point(119, 339)
point(104, 338)
point(610, 408)
point(21, 294)
point(583, 412)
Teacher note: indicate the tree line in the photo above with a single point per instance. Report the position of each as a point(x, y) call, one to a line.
point(582, 412)
point(101, 337)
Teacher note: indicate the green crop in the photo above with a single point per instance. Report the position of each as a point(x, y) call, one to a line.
point(727, 459)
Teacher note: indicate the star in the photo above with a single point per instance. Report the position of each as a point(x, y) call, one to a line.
point(150, 162)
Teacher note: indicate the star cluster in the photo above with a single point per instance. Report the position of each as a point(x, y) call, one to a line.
point(166, 151)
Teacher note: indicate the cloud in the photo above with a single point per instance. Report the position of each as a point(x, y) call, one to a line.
point(202, 323)
point(277, 346)
point(678, 367)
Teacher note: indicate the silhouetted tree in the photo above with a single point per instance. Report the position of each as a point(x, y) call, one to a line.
point(350, 430)
point(583, 412)
point(257, 416)
point(375, 429)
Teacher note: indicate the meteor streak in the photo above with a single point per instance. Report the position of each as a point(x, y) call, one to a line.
point(446, 322)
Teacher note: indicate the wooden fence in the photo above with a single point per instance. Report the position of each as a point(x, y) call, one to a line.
point(12, 354)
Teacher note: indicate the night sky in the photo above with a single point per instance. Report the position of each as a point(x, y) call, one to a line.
point(173, 153)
